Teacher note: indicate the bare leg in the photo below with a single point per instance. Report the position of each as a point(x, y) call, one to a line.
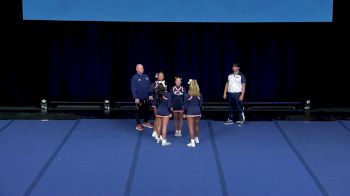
point(196, 125)
point(176, 121)
point(158, 125)
point(190, 121)
point(165, 121)
point(155, 126)
point(180, 120)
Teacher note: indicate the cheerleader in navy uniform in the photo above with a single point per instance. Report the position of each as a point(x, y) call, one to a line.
point(192, 105)
point(160, 81)
point(163, 114)
point(177, 96)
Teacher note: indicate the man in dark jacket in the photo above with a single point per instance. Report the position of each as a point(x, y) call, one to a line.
point(140, 88)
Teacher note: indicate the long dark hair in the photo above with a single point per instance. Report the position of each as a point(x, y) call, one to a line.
point(160, 92)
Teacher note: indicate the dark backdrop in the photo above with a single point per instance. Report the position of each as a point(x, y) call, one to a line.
point(92, 61)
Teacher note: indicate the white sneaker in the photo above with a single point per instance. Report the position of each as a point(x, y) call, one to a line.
point(161, 137)
point(158, 140)
point(196, 139)
point(176, 133)
point(191, 144)
point(179, 134)
point(154, 134)
point(228, 122)
point(240, 123)
point(165, 143)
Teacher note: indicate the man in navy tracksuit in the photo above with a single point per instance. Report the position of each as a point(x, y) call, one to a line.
point(140, 88)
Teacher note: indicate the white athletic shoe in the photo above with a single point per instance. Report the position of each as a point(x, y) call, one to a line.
point(191, 144)
point(196, 139)
point(176, 133)
point(240, 123)
point(228, 122)
point(154, 134)
point(179, 134)
point(165, 143)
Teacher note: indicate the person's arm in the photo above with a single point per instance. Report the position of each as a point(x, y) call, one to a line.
point(243, 92)
point(154, 105)
point(169, 102)
point(134, 90)
point(172, 91)
point(225, 91)
point(201, 101)
point(243, 80)
point(172, 96)
point(185, 105)
point(183, 97)
point(151, 91)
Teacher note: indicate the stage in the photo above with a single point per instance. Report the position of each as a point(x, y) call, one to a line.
point(109, 157)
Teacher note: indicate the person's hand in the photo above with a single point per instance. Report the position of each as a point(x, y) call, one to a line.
point(150, 98)
point(184, 115)
point(170, 115)
point(137, 101)
point(241, 98)
point(224, 96)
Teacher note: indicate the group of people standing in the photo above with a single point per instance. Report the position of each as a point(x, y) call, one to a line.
point(179, 104)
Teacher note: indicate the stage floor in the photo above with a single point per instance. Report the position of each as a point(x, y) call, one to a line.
point(109, 157)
